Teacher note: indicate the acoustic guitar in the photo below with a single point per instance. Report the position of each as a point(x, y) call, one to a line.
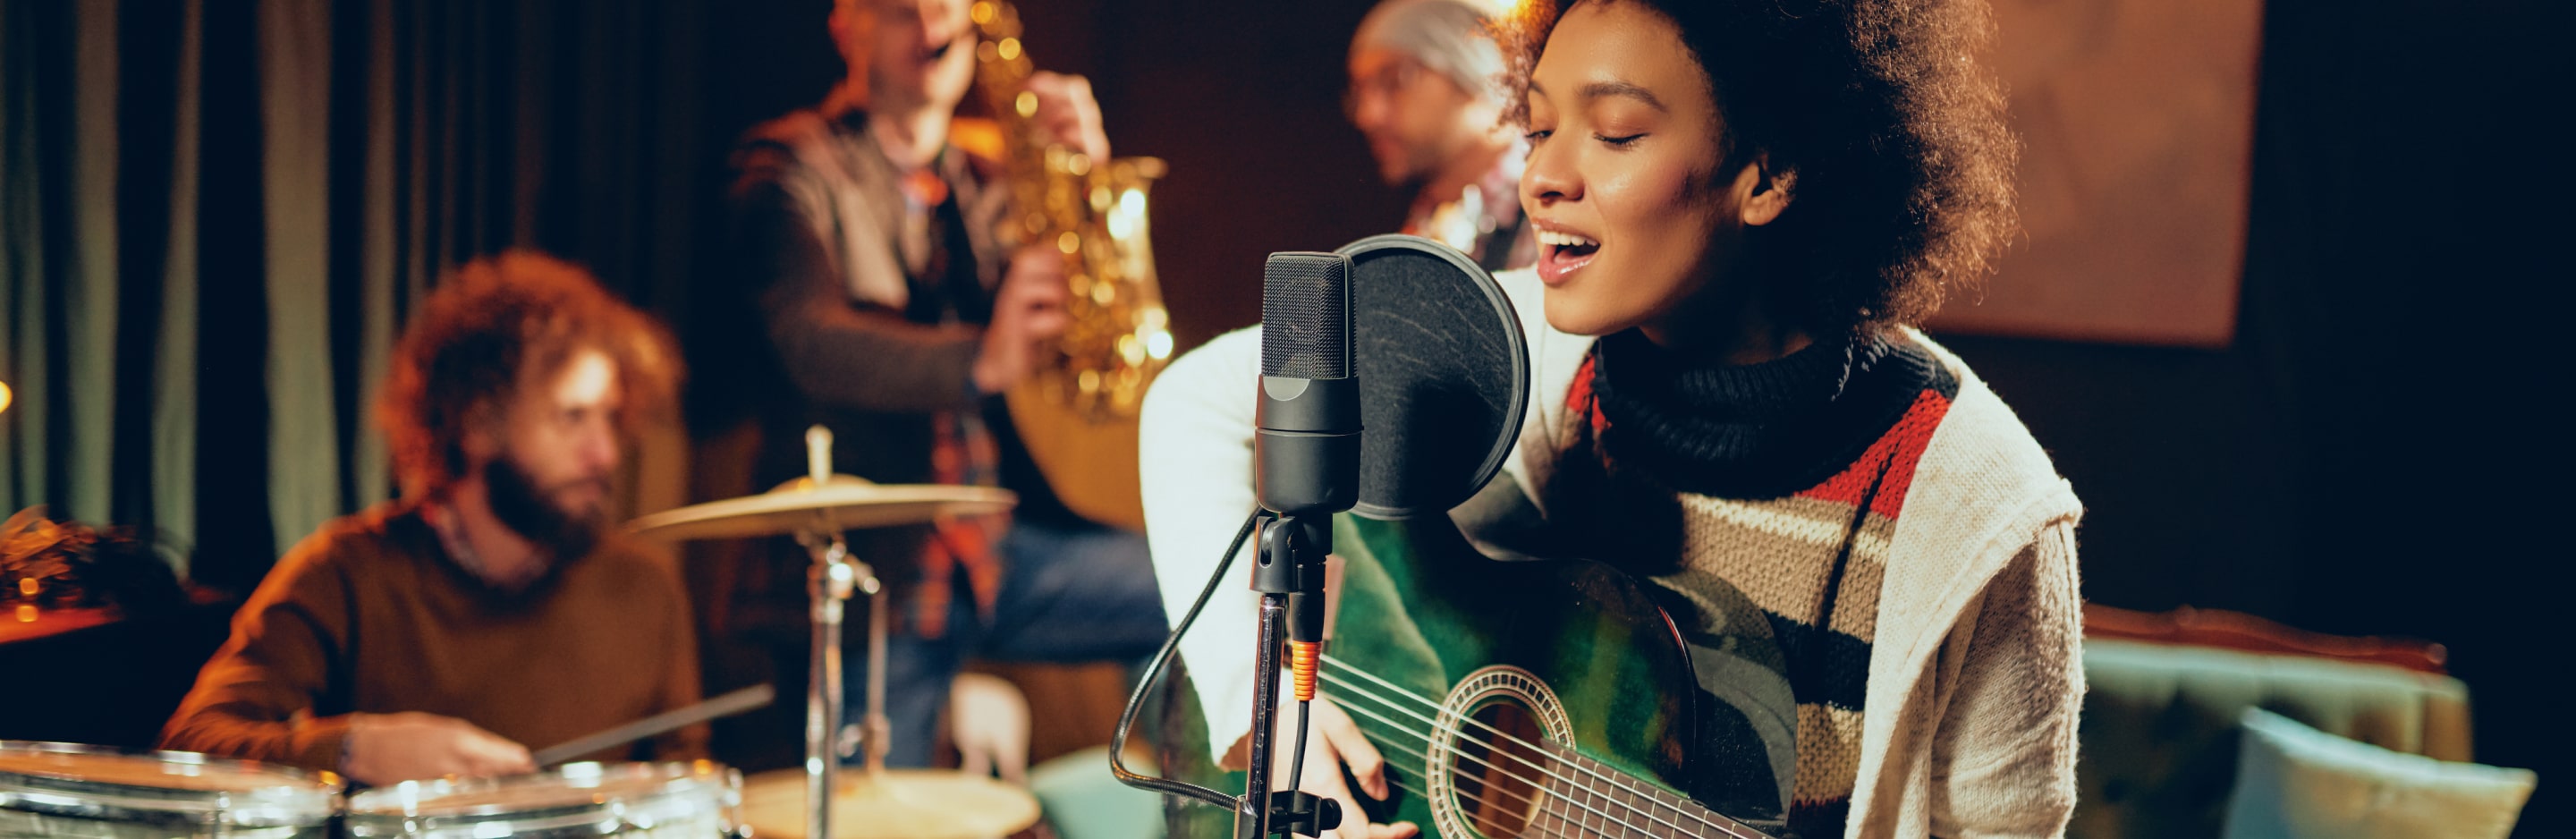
point(1511, 699)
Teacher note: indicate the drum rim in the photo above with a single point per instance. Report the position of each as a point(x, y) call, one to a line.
point(725, 782)
point(312, 801)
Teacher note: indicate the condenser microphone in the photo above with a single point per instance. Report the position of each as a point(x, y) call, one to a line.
point(1306, 443)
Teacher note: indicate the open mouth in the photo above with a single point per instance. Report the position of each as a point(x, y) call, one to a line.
point(1561, 254)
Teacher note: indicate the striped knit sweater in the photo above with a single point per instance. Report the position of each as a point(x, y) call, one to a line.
point(1761, 499)
point(1968, 728)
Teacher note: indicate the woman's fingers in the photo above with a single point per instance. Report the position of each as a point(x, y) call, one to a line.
point(1355, 749)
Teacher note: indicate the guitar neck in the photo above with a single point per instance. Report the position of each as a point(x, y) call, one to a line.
point(1588, 798)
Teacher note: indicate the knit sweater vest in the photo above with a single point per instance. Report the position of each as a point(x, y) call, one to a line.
point(1760, 499)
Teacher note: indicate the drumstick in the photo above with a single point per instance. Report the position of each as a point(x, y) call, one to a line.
point(722, 706)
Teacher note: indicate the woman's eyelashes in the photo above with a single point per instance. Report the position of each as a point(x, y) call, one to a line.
point(1541, 135)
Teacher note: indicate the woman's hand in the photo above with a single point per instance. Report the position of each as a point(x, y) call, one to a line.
point(1333, 741)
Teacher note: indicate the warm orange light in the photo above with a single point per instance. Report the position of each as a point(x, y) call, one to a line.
point(4, 396)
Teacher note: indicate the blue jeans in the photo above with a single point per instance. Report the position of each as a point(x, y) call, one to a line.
point(1069, 594)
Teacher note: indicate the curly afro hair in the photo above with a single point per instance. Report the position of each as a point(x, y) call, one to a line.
point(1896, 134)
point(494, 325)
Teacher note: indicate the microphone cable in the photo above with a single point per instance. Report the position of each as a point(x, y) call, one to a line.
point(1154, 673)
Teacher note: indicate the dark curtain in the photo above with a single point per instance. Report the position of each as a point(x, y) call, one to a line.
point(215, 213)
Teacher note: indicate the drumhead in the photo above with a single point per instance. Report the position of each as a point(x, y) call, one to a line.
point(105, 784)
point(580, 798)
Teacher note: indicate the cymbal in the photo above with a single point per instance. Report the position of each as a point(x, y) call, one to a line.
point(892, 804)
point(842, 503)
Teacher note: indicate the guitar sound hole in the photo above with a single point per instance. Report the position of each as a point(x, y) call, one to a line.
point(1500, 777)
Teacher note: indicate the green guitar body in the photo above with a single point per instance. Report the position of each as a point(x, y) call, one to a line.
point(1421, 612)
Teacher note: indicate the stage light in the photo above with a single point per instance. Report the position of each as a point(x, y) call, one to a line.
point(4, 396)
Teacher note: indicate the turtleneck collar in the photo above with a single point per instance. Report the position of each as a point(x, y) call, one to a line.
point(1750, 430)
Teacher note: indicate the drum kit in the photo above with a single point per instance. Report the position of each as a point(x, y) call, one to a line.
point(54, 789)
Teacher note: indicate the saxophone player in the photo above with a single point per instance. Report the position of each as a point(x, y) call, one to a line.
point(865, 250)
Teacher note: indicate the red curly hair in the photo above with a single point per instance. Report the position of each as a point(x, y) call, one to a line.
point(494, 325)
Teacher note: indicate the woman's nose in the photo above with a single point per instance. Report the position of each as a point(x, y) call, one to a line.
point(1550, 176)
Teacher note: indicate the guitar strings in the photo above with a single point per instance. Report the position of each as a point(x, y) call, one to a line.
point(1533, 824)
point(1613, 781)
point(1335, 664)
point(1729, 830)
point(1427, 739)
point(1497, 770)
point(1426, 760)
point(1532, 821)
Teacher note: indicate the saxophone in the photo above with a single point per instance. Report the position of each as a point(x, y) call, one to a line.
point(1078, 414)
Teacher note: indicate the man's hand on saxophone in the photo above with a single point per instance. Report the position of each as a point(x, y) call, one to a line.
point(1028, 315)
point(1068, 113)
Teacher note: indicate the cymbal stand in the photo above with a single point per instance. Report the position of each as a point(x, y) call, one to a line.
point(834, 576)
point(831, 581)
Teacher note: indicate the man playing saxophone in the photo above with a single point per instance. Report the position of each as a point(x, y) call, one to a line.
point(868, 249)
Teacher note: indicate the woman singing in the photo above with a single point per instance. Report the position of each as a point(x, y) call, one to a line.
point(1742, 207)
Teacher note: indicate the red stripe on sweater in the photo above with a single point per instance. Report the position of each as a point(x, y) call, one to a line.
point(1905, 442)
point(1578, 398)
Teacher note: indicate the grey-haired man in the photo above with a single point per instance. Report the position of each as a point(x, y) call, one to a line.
point(1426, 87)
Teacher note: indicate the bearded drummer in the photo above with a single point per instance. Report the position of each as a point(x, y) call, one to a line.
point(491, 606)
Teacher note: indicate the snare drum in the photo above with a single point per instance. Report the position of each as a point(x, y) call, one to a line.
point(660, 800)
point(57, 789)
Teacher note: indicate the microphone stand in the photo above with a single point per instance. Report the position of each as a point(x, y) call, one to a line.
point(1288, 571)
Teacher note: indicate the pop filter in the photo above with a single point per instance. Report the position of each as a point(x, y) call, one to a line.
point(1444, 375)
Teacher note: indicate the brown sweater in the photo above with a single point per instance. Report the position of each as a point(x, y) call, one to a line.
point(369, 615)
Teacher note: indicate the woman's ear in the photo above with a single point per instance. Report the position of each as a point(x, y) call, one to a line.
point(1766, 191)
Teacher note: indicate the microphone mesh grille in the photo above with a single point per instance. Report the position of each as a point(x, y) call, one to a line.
point(1305, 316)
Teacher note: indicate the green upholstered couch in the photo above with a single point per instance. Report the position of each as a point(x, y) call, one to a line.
point(2160, 728)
